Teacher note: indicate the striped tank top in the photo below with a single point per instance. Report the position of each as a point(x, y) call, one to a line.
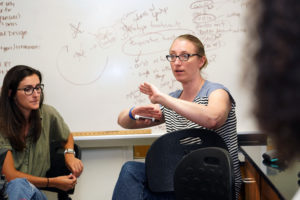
point(228, 131)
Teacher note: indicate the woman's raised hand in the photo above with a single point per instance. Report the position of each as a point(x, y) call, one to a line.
point(150, 90)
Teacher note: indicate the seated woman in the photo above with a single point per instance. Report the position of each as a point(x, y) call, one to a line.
point(26, 129)
point(200, 103)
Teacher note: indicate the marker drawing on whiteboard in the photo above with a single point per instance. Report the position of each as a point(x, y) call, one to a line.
point(137, 117)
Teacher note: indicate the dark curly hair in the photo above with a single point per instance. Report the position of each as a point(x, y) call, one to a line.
point(276, 65)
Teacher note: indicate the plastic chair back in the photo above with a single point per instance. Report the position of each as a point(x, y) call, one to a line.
point(166, 152)
point(205, 174)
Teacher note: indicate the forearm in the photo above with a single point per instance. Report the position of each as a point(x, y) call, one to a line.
point(37, 181)
point(69, 145)
point(152, 111)
point(197, 113)
point(11, 173)
point(70, 142)
point(205, 116)
point(62, 182)
point(125, 121)
point(73, 163)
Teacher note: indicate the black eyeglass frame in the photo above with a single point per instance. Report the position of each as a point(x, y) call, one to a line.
point(182, 57)
point(29, 90)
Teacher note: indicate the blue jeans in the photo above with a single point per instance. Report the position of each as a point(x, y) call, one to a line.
point(132, 184)
point(21, 189)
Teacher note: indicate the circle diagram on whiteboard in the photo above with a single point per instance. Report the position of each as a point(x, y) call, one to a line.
point(79, 65)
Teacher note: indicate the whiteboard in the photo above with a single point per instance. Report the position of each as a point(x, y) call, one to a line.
point(93, 54)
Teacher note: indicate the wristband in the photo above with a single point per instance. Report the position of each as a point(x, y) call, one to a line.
point(70, 151)
point(130, 114)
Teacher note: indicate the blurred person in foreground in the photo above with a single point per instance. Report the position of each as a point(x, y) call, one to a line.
point(274, 73)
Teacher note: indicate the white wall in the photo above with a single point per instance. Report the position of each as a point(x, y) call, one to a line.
point(101, 167)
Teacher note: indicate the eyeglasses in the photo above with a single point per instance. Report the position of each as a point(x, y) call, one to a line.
point(182, 57)
point(29, 90)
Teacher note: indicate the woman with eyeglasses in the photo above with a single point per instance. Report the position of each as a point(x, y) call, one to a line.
point(200, 103)
point(26, 128)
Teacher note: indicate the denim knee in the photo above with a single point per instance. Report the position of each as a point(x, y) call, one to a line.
point(132, 165)
point(133, 168)
point(21, 188)
point(130, 184)
point(19, 184)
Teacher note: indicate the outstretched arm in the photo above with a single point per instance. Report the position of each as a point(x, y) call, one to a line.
point(62, 182)
point(212, 116)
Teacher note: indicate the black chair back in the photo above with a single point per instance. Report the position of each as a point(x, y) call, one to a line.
point(166, 152)
point(58, 167)
point(3, 181)
point(205, 174)
point(3, 152)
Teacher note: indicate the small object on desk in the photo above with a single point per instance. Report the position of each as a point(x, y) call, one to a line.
point(270, 156)
point(271, 159)
point(271, 164)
